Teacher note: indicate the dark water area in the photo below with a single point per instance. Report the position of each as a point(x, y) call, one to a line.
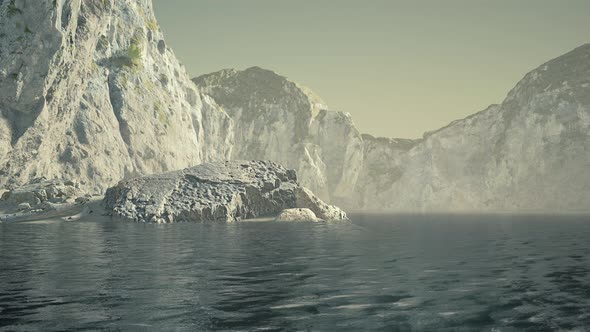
point(377, 273)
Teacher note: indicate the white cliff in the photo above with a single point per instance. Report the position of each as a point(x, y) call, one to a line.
point(90, 91)
point(383, 164)
point(279, 120)
point(530, 153)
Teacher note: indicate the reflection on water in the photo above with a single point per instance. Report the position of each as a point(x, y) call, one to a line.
point(376, 273)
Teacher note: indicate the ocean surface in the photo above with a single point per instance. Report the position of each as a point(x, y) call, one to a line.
point(376, 273)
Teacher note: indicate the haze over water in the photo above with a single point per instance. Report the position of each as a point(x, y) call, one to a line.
point(379, 272)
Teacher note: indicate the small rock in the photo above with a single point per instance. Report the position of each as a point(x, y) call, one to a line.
point(40, 191)
point(297, 215)
point(81, 200)
point(24, 206)
point(57, 200)
point(305, 198)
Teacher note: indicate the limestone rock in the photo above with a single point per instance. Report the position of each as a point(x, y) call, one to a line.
point(279, 120)
point(89, 91)
point(384, 162)
point(221, 191)
point(297, 215)
point(530, 153)
point(342, 151)
point(305, 198)
point(24, 206)
point(41, 199)
point(40, 191)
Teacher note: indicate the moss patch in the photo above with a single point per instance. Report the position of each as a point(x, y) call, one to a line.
point(162, 116)
point(134, 53)
point(152, 24)
point(12, 9)
point(135, 50)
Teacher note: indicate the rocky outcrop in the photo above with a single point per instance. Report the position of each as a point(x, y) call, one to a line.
point(90, 91)
point(41, 191)
point(221, 191)
point(306, 199)
point(43, 199)
point(297, 215)
point(279, 120)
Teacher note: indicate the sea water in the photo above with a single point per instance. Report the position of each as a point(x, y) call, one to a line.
point(378, 272)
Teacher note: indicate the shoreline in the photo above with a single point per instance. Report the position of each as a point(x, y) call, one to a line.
point(65, 211)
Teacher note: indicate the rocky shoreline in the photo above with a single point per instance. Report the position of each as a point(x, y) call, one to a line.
point(222, 191)
point(46, 199)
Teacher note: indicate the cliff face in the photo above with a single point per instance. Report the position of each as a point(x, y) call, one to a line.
point(383, 165)
point(531, 152)
point(281, 121)
point(90, 91)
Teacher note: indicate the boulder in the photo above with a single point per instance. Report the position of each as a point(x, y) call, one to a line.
point(24, 206)
point(306, 199)
point(40, 191)
point(221, 191)
point(297, 215)
point(42, 199)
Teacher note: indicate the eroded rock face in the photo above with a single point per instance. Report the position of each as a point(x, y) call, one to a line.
point(299, 215)
point(279, 120)
point(384, 162)
point(220, 191)
point(530, 153)
point(89, 91)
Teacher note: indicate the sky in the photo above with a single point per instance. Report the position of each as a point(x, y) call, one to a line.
point(401, 68)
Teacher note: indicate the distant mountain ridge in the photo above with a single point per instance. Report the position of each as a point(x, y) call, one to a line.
point(530, 153)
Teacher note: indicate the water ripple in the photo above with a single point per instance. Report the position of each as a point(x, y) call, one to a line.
point(382, 273)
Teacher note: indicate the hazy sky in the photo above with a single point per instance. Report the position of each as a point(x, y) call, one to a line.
point(399, 67)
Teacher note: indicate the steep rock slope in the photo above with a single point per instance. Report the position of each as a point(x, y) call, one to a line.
point(90, 91)
point(384, 163)
point(279, 120)
point(531, 153)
